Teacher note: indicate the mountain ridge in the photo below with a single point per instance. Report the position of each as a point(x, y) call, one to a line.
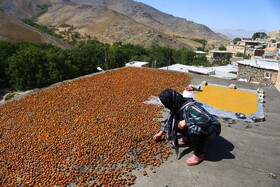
point(25, 33)
point(238, 33)
point(111, 21)
point(274, 35)
point(150, 16)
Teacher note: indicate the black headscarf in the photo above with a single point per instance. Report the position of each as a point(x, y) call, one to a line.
point(173, 101)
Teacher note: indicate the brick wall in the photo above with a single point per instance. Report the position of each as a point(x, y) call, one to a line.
point(254, 74)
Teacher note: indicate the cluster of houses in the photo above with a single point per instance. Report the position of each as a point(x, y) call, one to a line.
point(255, 48)
point(262, 65)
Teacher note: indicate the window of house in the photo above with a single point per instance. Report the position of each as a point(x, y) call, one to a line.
point(267, 75)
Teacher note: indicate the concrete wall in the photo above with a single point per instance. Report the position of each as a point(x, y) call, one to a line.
point(254, 74)
point(272, 47)
point(277, 84)
point(236, 48)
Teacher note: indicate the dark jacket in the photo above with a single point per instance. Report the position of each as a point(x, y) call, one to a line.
point(198, 120)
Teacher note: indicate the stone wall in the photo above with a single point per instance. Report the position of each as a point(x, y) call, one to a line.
point(257, 75)
point(277, 84)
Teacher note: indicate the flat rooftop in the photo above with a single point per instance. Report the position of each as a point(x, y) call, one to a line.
point(264, 64)
point(75, 132)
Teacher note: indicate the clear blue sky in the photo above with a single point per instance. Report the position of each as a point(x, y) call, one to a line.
point(224, 14)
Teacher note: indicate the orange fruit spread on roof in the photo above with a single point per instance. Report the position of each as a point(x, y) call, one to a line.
point(233, 100)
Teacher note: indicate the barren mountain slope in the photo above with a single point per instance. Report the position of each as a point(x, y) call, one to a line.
point(106, 25)
point(158, 20)
point(13, 29)
point(111, 21)
point(24, 8)
point(275, 35)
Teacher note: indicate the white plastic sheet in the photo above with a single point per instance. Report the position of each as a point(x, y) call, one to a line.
point(153, 100)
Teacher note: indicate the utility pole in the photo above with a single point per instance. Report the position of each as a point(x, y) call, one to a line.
point(168, 63)
point(106, 59)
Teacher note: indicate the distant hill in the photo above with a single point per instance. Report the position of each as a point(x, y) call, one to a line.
point(113, 21)
point(13, 29)
point(235, 33)
point(25, 8)
point(238, 33)
point(275, 35)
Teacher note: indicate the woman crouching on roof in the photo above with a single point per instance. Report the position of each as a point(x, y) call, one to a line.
point(190, 119)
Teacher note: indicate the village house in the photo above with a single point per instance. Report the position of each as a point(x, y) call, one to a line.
point(253, 48)
point(250, 43)
point(272, 47)
point(272, 51)
point(247, 47)
point(258, 71)
point(236, 48)
point(216, 54)
point(261, 71)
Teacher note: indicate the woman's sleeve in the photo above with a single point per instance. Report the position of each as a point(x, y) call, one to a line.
point(164, 126)
point(197, 116)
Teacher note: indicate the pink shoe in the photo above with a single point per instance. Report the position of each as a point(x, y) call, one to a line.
point(184, 140)
point(194, 160)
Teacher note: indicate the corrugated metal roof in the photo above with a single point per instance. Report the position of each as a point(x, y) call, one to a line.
point(252, 41)
point(224, 75)
point(228, 68)
point(216, 51)
point(136, 64)
point(200, 52)
point(261, 64)
point(218, 71)
point(186, 68)
point(226, 72)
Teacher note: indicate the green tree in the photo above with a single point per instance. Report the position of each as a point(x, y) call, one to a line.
point(88, 56)
point(261, 35)
point(27, 68)
point(238, 54)
point(202, 41)
point(223, 60)
point(136, 52)
point(40, 27)
point(200, 49)
point(235, 40)
point(222, 48)
point(7, 49)
point(184, 56)
point(59, 65)
point(201, 60)
point(119, 54)
point(163, 56)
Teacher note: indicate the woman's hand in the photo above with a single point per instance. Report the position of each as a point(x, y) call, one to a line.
point(158, 135)
point(182, 124)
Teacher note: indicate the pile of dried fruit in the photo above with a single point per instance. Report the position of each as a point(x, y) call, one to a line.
point(92, 131)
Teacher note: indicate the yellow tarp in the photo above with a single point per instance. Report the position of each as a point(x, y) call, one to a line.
point(233, 100)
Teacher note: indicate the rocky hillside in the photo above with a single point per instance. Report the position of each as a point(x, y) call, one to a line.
point(161, 21)
point(13, 29)
point(275, 35)
point(25, 8)
point(111, 21)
